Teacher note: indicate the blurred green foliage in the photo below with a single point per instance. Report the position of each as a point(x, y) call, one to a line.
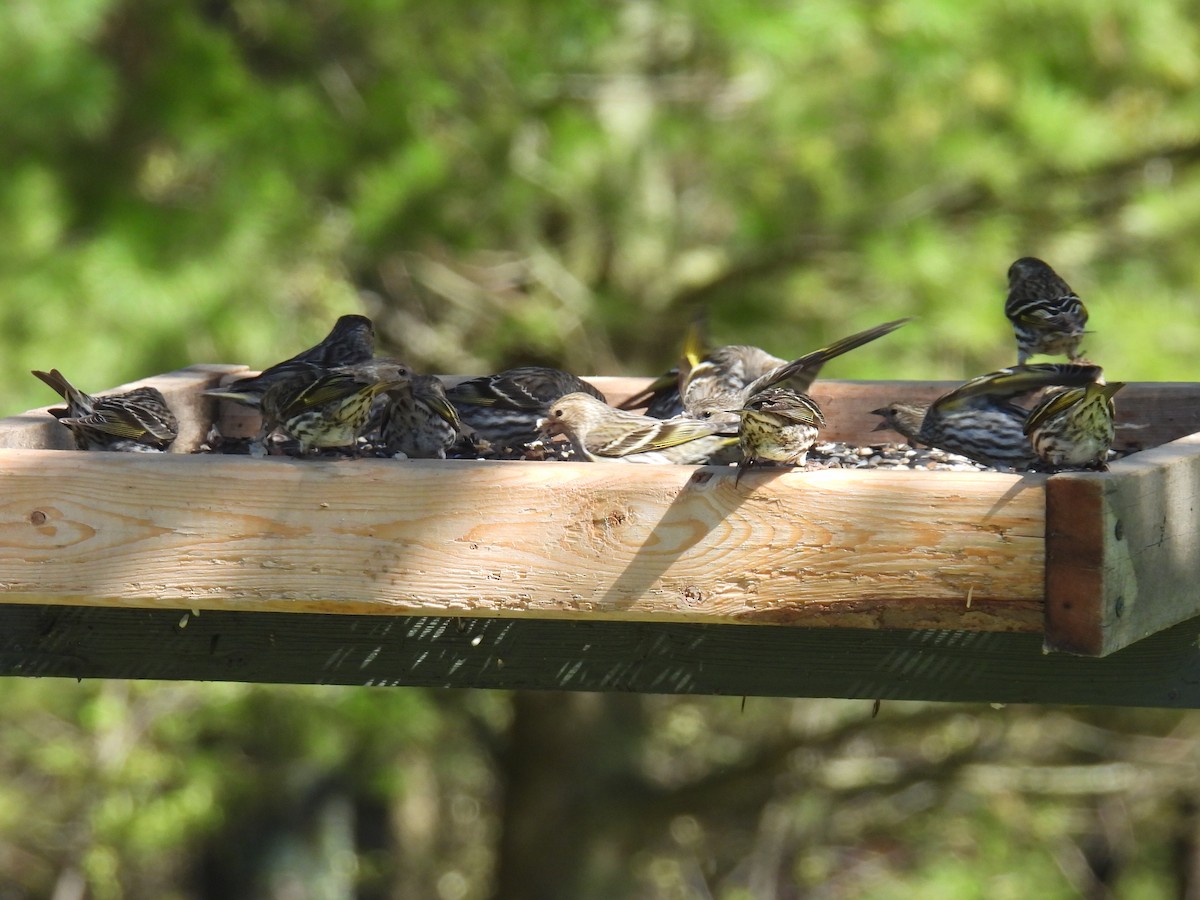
point(200, 182)
point(567, 183)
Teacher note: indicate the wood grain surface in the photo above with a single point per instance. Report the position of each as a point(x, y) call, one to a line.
point(593, 540)
point(1124, 549)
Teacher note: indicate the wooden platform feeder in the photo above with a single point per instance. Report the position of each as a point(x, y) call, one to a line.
point(606, 576)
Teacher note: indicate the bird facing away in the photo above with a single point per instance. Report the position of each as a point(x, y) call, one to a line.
point(135, 421)
point(718, 386)
point(979, 419)
point(1046, 315)
point(779, 425)
point(419, 421)
point(327, 408)
point(598, 431)
point(352, 340)
point(504, 409)
point(1073, 427)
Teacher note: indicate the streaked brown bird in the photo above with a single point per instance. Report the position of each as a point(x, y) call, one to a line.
point(327, 408)
point(1073, 427)
point(715, 383)
point(598, 432)
point(134, 421)
point(729, 376)
point(1046, 315)
point(504, 409)
point(779, 425)
point(351, 341)
point(418, 420)
point(979, 419)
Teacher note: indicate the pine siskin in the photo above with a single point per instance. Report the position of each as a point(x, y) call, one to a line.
point(978, 419)
point(718, 382)
point(1074, 426)
point(328, 408)
point(718, 386)
point(352, 340)
point(1046, 315)
point(989, 433)
point(723, 380)
point(598, 431)
point(419, 421)
point(778, 425)
point(135, 421)
point(504, 409)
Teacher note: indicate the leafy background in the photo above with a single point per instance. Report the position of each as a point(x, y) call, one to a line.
point(568, 183)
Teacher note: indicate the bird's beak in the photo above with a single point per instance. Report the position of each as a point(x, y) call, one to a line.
point(548, 427)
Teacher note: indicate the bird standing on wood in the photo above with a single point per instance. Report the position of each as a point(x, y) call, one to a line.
point(327, 407)
point(419, 422)
point(597, 431)
point(729, 376)
point(779, 425)
point(979, 419)
point(351, 341)
point(1046, 315)
point(1073, 427)
point(135, 421)
point(717, 382)
point(504, 409)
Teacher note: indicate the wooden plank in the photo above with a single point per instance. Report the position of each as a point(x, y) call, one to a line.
point(79, 642)
point(591, 540)
point(183, 390)
point(1150, 414)
point(1075, 544)
point(521, 540)
point(1123, 550)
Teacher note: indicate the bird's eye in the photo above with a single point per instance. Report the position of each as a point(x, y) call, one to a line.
point(557, 413)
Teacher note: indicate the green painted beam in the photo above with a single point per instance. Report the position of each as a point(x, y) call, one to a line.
point(88, 642)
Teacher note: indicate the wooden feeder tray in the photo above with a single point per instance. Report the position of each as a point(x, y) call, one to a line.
point(1090, 562)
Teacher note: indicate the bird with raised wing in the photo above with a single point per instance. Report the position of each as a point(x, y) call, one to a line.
point(980, 419)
